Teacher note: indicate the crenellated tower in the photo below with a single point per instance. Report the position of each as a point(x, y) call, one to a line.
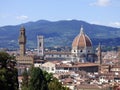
point(22, 41)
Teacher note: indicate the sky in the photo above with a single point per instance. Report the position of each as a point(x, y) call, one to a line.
point(101, 12)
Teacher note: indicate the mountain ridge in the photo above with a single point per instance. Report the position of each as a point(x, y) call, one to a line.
point(58, 33)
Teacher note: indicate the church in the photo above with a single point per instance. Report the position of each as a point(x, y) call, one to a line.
point(82, 49)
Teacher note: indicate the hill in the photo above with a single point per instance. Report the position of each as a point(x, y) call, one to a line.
point(58, 33)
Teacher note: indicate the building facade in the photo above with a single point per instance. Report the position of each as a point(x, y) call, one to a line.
point(22, 58)
point(82, 50)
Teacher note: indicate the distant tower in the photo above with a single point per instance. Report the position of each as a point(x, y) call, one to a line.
point(40, 46)
point(22, 41)
point(100, 54)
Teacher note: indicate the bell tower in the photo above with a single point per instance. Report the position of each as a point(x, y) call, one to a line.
point(22, 41)
point(40, 46)
point(100, 54)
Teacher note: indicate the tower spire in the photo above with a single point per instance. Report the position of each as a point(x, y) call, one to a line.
point(22, 27)
point(81, 30)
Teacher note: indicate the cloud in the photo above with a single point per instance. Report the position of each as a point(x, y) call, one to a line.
point(101, 3)
point(95, 22)
point(111, 24)
point(22, 17)
point(115, 24)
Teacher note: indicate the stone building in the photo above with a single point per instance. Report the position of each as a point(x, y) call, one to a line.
point(22, 58)
point(40, 46)
point(82, 50)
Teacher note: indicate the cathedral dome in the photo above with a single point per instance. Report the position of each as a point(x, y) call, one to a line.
point(81, 40)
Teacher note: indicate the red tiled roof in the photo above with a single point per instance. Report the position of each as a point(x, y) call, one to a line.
point(78, 65)
point(58, 53)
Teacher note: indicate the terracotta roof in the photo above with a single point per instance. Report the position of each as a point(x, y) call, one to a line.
point(81, 41)
point(58, 53)
point(78, 65)
point(89, 86)
point(68, 80)
point(115, 66)
point(55, 61)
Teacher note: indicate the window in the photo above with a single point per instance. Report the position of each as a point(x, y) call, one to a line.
point(81, 50)
point(40, 44)
point(52, 68)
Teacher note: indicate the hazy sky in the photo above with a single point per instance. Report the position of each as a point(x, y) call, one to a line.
point(103, 12)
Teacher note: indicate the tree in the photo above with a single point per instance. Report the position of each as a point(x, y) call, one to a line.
point(25, 80)
point(37, 80)
point(3, 59)
point(56, 85)
point(8, 73)
point(52, 82)
point(48, 76)
point(40, 80)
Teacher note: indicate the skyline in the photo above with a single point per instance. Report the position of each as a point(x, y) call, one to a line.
point(101, 12)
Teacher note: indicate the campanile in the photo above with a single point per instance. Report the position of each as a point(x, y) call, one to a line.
point(22, 41)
